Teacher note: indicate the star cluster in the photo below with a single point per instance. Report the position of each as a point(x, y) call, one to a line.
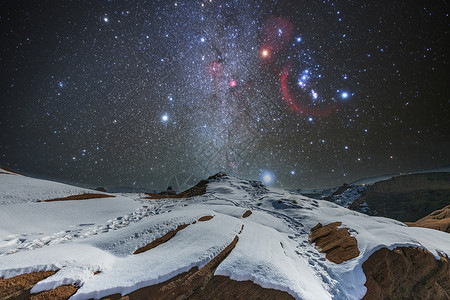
point(156, 93)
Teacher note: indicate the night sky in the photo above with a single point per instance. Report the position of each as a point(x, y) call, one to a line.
point(299, 94)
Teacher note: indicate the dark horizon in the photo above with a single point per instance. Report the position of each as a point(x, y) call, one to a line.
point(194, 181)
point(296, 94)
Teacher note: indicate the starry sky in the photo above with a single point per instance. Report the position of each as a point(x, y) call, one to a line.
point(299, 94)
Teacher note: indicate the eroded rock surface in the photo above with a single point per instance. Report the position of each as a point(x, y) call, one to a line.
point(18, 287)
point(60, 293)
point(338, 244)
point(406, 273)
point(247, 214)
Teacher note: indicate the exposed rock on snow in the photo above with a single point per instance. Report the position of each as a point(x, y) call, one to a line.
point(60, 292)
point(160, 240)
point(224, 288)
point(198, 190)
point(336, 242)
point(20, 286)
point(203, 284)
point(7, 171)
point(85, 196)
point(406, 273)
point(16, 188)
point(247, 213)
point(439, 220)
point(168, 236)
point(205, 218)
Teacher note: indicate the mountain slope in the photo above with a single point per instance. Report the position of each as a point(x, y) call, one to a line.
point(269, 247)
point(404, 198)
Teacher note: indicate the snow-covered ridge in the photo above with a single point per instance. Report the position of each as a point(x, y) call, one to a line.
point(16, 188)
point(372, 180)
point(79, 238)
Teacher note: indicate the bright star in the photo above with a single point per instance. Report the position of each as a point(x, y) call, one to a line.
point(202, 39)
point(299, 39)
point(106, 19)
point(265, 53)
point(233, 83)
point(267, 177)
point(344, 95)
point(165, 118)
point(292, 172)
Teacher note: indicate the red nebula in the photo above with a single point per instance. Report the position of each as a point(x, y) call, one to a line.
point(277, 33)
point(275, 37)
point(294, 103)
point(215, 69)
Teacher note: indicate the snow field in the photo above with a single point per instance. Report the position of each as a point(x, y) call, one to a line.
point(79, 238)
point(18, 189)
point(193, 246)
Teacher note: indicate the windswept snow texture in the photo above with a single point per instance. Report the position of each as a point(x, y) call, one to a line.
point(273, 249)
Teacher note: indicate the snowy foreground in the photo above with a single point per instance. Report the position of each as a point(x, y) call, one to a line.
point(81, 237)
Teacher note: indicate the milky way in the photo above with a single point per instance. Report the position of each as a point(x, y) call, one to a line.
point(299, 94)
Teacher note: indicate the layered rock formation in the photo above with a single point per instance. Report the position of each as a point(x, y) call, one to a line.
point(197, 190)
point(439, 220)
point(406, 198)
point(19, 287)
point(338, 245)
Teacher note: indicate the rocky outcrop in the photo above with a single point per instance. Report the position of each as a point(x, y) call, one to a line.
point(406, 273)
point(19, 287)
point(406, 198)
point(338, 245)
point(197, 190)
point(439, 220)
point(60, 293)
